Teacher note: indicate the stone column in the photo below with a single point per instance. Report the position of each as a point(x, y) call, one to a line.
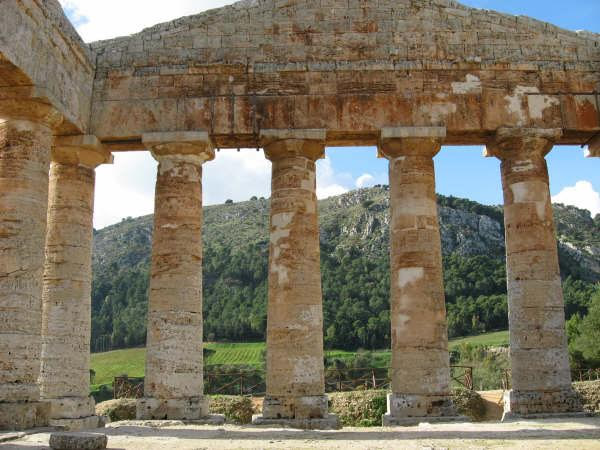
point(541, 377)
point(25, 144)
point(174, 387)
point(66, 298)
point(420, 359)
point(295, 367)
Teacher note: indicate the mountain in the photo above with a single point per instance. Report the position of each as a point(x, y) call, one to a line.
point(355, 269)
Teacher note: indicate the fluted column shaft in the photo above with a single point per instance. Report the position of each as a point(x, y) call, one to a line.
point(541, 377)
point(67, 283)
point(420, 360)
point(295, 370)
point(24, 162)
point(174, 387)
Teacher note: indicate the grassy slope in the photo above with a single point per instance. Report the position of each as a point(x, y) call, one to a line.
point(131, 361)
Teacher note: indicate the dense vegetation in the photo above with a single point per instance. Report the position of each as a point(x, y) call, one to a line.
point(355, 269)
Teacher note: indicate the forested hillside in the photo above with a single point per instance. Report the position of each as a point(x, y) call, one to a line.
point(355, 270)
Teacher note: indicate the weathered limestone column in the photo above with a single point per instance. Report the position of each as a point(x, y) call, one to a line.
point(25, 143)
point(174, 386)
point(541, 378)
point(66, 298)
point(295, 367)
point(420, 359)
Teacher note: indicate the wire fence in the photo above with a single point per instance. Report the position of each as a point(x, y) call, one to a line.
point(252, 381)
point(585, 374)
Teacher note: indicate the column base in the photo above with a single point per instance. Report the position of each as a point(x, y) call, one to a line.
point(411, 409)
point(71, 407)
point(328, 422)
point(73, 413)
point(24, 415)
point(524, 404)
point(306, 407)
point(191, 408)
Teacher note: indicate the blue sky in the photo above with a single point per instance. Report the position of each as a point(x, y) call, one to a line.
point(460, 171)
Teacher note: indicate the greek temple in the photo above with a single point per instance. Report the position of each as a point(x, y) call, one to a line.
point(290, 77)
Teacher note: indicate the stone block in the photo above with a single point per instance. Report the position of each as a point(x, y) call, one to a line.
point(307, 407)
point(78, 441)
point(408, 406)
point(71, 407)
point(78, 424)
point(530, 404)
point(194, 408)
point(23, 415)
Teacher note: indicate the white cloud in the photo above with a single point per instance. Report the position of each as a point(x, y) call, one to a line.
point(329, 182)
point(582, 195)
point(236, 176)
point(124, 189)
point(365, 180)
point(105, 19)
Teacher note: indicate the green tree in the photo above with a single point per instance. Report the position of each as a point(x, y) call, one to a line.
point(586, 342)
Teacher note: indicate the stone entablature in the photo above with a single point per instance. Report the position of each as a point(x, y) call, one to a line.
point(39, 47)
point(349, 67)
point(307, 64)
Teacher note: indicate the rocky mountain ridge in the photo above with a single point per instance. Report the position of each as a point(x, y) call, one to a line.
point(355, 267)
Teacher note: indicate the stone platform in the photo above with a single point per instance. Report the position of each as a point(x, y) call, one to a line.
point(391, 421)
point(513, 417)
point(329, 422)
point(581, 433)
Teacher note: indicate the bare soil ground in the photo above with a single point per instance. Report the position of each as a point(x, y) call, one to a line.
point(580, 433)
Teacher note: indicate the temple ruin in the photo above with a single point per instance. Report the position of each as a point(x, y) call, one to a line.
point(292, 77)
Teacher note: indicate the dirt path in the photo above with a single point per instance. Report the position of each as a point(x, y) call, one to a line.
point(549, 434)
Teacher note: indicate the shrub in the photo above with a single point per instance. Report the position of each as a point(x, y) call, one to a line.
point(590, 394)
point(366, 408)
point(359, 409)
point(469, 403)
point(235, 408)
point(118, 409)
point(102, 393)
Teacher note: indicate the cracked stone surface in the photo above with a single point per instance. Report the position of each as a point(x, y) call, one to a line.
point(24, 163)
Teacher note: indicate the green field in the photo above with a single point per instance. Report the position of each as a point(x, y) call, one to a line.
point(495, 339)
point(131, 361)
